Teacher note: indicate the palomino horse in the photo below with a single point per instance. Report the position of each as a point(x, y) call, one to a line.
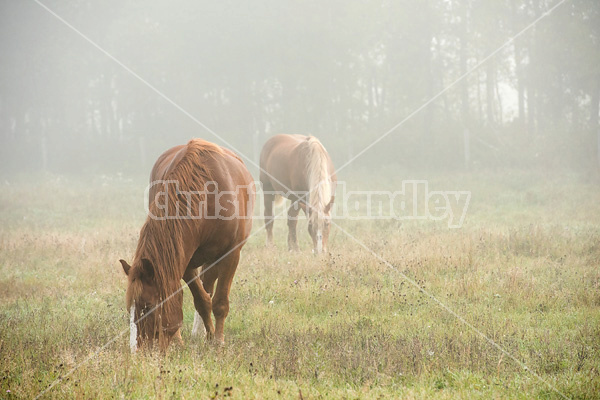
point(298, 167)
point(201, 200)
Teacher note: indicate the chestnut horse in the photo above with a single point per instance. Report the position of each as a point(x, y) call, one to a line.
point(298, 167)
point(201, 199)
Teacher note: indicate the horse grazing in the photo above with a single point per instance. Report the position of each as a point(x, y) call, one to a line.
point(201, 200)
point(298, 167)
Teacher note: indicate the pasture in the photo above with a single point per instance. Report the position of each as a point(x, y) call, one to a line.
point(524, 270)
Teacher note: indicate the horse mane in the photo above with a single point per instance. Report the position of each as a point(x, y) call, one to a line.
point(162, 239)
point(319, 181)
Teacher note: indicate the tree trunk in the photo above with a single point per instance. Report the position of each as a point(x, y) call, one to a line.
point(44, 143)
point(499, 99)
point(429, 112)
point(489, 91)
point(518, 50)
point(531, 77)
point(531, 111)
point(594, 111)
point(520, 86)
point(479, 102)
point(440, 76)
point(595, 104)
point(464, 87)
point(467, 147)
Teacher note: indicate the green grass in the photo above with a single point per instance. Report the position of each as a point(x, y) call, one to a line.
point(524, 270)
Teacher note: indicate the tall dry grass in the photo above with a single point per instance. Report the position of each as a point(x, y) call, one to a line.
point(524, 270)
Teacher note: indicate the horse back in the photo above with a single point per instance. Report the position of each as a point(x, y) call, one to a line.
point(282, 165)
point(222, 167)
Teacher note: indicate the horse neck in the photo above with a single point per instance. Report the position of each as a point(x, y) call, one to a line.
point(166, 249)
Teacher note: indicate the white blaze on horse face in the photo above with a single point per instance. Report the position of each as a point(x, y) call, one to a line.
point(132, 330)
point(319, 241)
point(198, 325)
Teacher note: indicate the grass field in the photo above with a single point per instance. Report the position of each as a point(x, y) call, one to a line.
point(524, 270)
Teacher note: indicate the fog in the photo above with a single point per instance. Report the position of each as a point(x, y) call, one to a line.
point(92, 87)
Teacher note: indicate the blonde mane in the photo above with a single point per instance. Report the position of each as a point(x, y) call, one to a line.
point(319, 181)
point(162, 239)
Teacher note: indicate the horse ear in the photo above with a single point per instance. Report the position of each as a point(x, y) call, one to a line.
point(147, 268)
point(126, 267)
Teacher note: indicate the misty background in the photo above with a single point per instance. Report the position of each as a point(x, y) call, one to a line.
point(346, 71)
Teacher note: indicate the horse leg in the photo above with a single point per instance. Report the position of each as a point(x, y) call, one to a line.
point(177, 337)
point(209, 276)
point(303, 207)
point(226, 269)
point(202, 303)
point(293, 212)
point(269, 199)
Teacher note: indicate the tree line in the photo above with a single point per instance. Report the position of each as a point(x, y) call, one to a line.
point(347, 71)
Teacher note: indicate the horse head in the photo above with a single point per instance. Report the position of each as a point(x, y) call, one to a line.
point(319, 223)
point(153, 319)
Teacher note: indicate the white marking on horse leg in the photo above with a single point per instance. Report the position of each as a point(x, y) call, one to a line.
point(132, 330)
point(198, 325)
